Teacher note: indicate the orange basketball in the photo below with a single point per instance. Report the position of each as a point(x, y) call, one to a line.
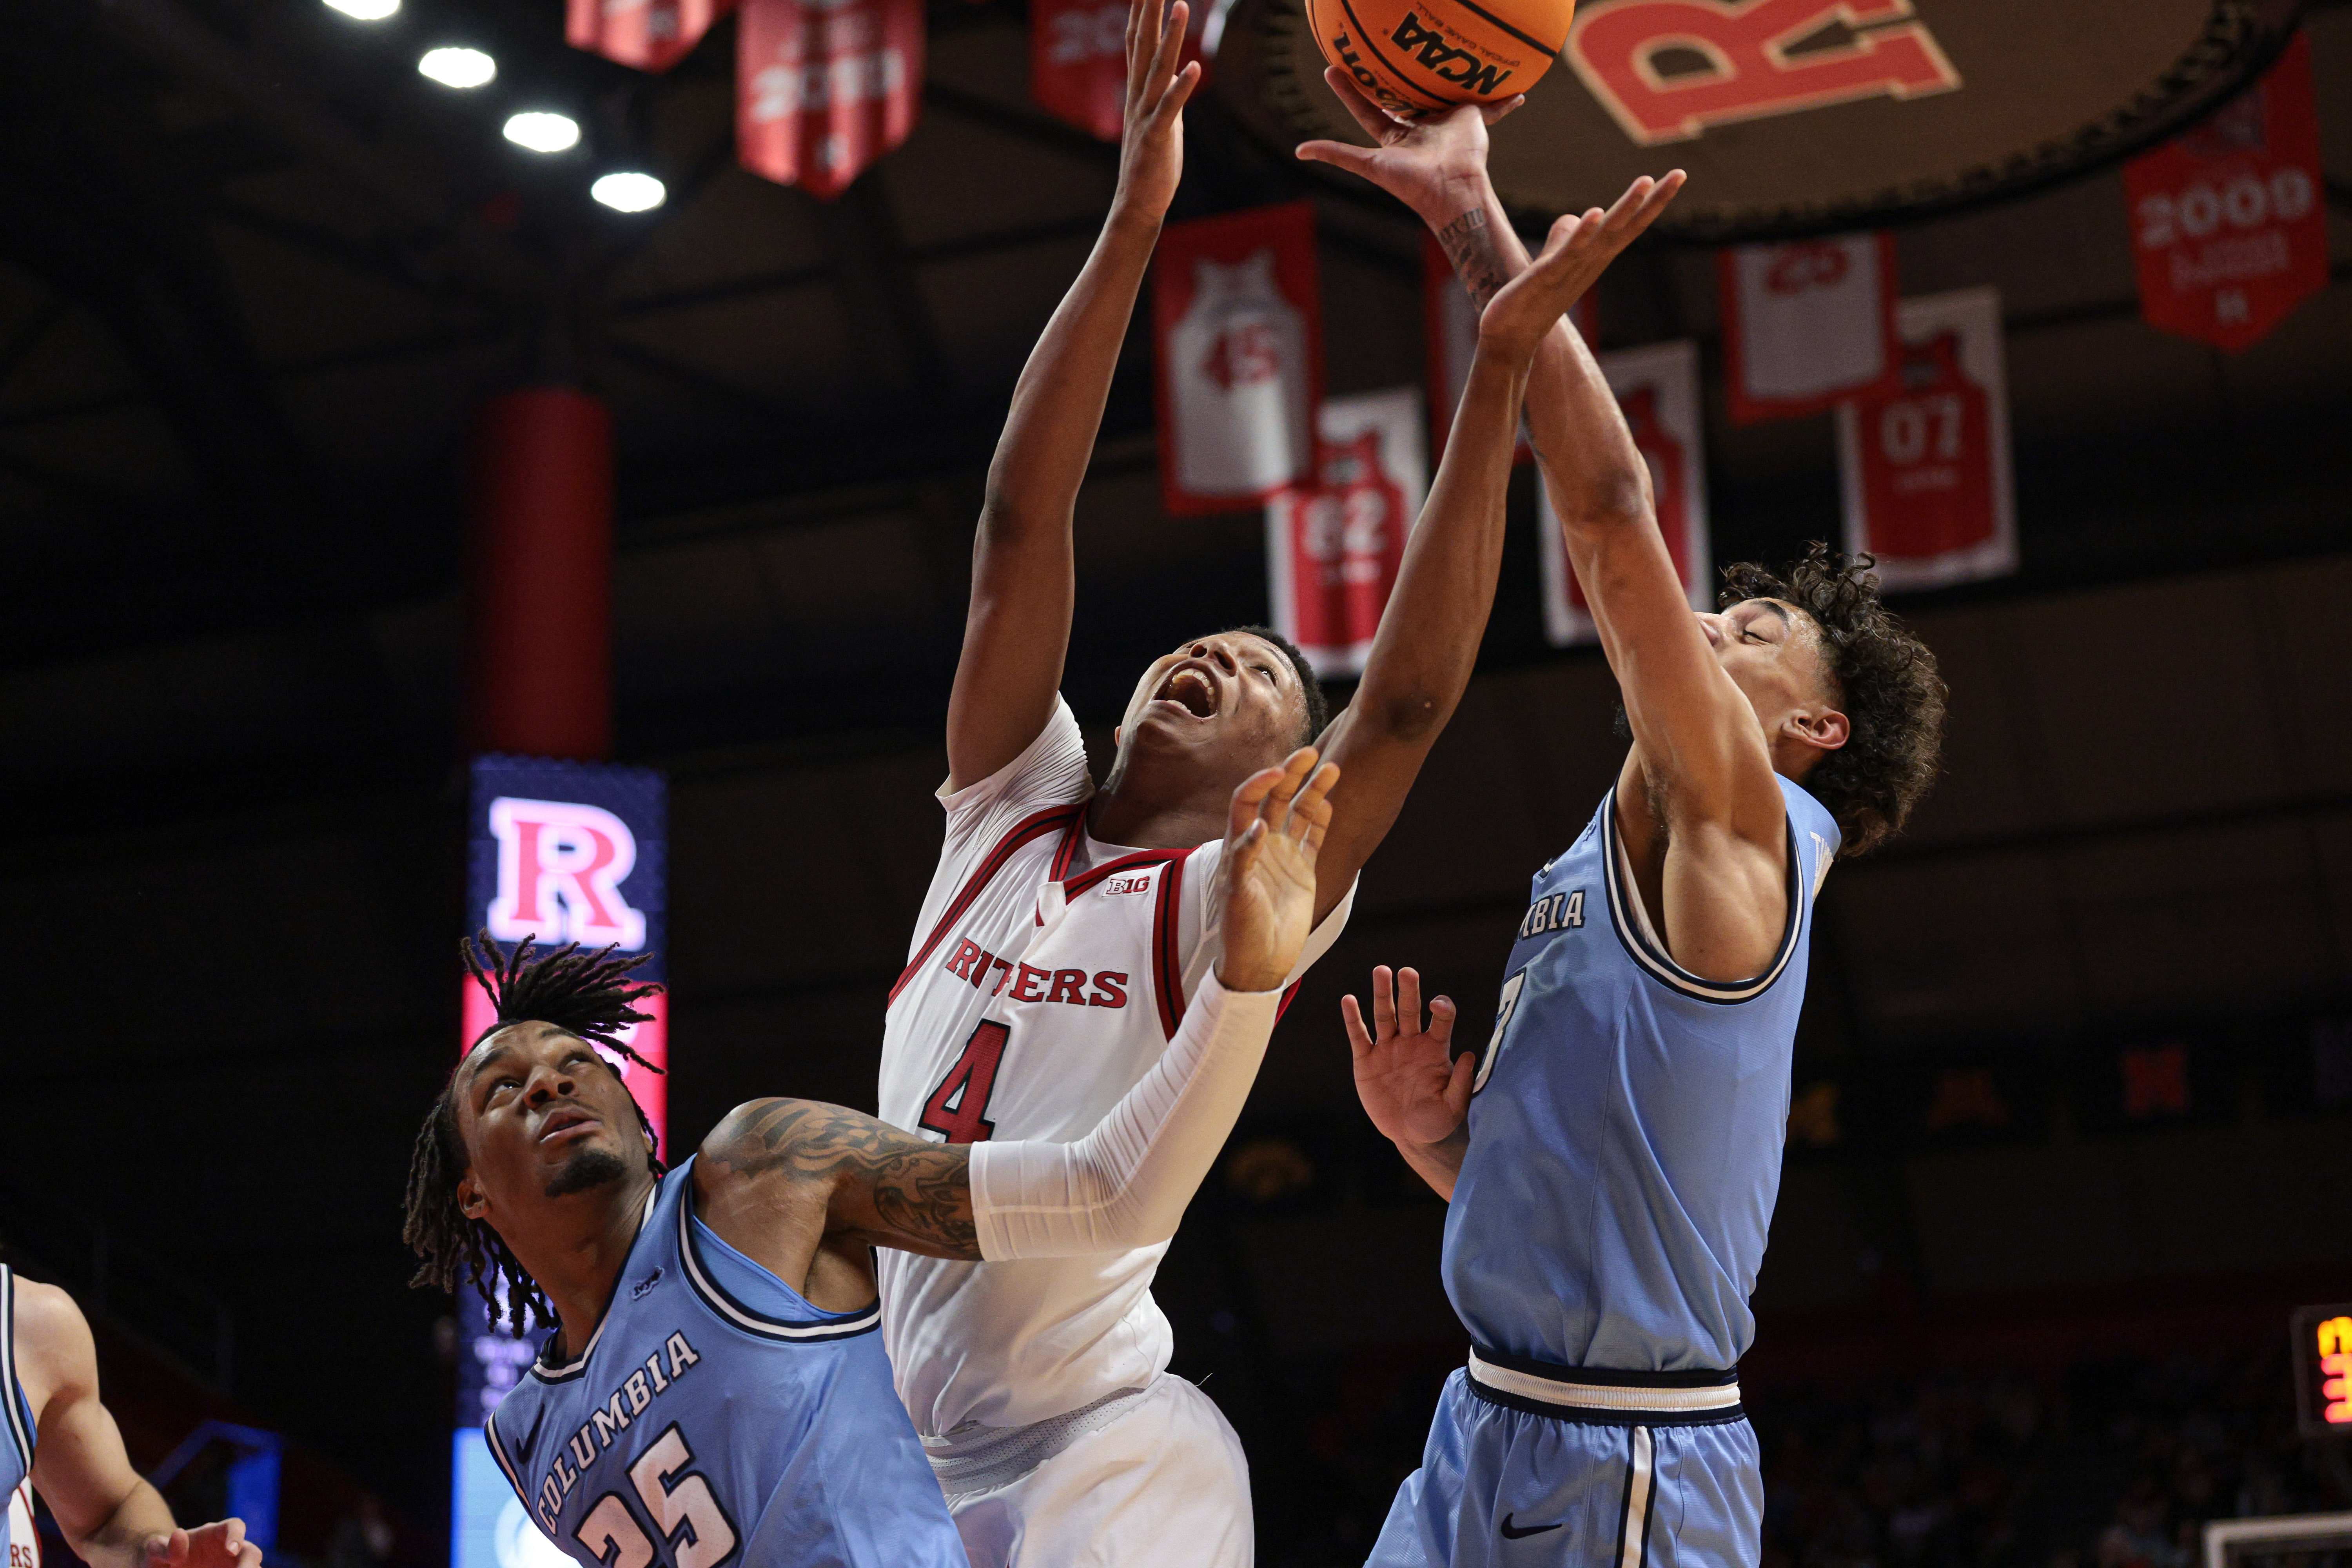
point(1414, 56)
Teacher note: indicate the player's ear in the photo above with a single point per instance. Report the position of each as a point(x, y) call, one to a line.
point(471, 1201)
point(1826, 729)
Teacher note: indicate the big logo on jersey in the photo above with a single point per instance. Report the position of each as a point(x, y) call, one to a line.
point(561, 866)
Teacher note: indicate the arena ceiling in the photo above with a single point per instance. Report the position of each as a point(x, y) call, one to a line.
point(256, 274)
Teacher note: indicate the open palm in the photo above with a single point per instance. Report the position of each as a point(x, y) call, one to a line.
point(1275, 828)
point(1412, 1087)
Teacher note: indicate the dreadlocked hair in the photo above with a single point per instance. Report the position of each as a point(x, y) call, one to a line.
point(1886, 684)
point(587, 995)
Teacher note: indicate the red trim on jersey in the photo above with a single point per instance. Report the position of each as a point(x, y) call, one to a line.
point(1029, 827)
point(1069, 850)
point(1288, 996)
point(1167, 966)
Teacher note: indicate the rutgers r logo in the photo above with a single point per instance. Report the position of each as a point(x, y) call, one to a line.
point(560, 867)
point(1667, 69)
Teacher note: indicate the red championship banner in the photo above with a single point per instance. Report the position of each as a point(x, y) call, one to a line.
point(1450, 324)
point(825, 87)
point(1333, 547)
point(651, 34)
point(1926, 462)
point(1806, 323)
point(1657, 388)
point(2228, 224)
point(1078, 58)
point(1236, 310)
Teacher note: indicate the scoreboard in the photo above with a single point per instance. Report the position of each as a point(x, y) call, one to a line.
point(560, 852)
point(2323, 1369)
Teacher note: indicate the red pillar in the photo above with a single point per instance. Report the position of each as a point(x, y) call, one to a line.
point(540, 598)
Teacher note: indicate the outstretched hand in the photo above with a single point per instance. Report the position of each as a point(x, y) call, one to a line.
point(1413, 1088)
point(1577, 251)
point(221, 1545)
point(1434, 165)
point(1151, 143)
point(1272, 835)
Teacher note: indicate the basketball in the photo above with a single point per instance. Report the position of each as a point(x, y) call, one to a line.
point(1414, 56)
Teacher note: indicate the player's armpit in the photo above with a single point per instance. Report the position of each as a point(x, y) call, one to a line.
point(850, 1174)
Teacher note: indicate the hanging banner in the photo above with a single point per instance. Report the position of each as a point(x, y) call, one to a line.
point(559, 852)
point(1333, 546)
point(1806, 323)
point(1078, 58)
point(824, 87)
point(1236, 310)
point(1078, 63)
point(1657, 388)
point(1450, 327)
point(2227, 225)
point(1926, 462)
point(650, 34)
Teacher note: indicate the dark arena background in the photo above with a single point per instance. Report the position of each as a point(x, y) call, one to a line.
point(2071, 1137)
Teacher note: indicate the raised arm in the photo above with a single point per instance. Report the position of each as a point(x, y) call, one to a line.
point(1428, 639)
point(1699, 758)
point(110, 1517)
point(1017, 629)
point(785, 1175)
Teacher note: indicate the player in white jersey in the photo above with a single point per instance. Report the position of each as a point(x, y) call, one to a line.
point(1066, 926)
point(54, 1435)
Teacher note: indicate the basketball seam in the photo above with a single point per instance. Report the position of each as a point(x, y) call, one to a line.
point(1536, 44)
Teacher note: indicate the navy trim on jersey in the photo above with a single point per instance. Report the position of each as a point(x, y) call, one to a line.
point(498, 1452)
point(1035, 825)
point(714, 1296)
point(1609, 1377)
point(1660, 966)
point(21, 1428)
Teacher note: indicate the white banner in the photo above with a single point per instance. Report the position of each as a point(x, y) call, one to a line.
point(1806, 323)
point(1926, 462)
point(1332, 548)
point(1657, 387)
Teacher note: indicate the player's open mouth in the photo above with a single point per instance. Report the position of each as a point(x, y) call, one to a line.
point(567, 1121)
point(1192, 688)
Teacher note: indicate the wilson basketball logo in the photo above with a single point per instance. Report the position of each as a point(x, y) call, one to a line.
point(560, 867)
point(1668, 70)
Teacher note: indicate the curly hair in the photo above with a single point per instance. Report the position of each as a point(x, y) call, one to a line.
point(587, 995)
point(1886, 682)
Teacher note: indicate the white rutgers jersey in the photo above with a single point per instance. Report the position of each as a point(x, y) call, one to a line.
point(1046, 975)
point(24, 1541)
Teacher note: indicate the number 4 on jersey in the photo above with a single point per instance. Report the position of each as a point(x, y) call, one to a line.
point(958, 1109)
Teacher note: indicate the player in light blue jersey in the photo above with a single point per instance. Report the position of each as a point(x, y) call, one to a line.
point(1611, 1157)
point(716, 1391)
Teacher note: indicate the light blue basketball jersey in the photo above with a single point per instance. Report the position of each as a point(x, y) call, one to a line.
point(717, 1418)
point(1625, 1136)
point(17, 1448)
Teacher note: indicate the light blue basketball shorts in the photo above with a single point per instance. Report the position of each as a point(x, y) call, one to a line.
point(1528, 1464)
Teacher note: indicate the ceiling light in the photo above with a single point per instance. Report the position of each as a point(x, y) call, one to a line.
point(366, 10)
point(543, 132)
point(458, 68)
point(629, 193)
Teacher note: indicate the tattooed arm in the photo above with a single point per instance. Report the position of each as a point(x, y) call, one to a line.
point(779, 1178)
